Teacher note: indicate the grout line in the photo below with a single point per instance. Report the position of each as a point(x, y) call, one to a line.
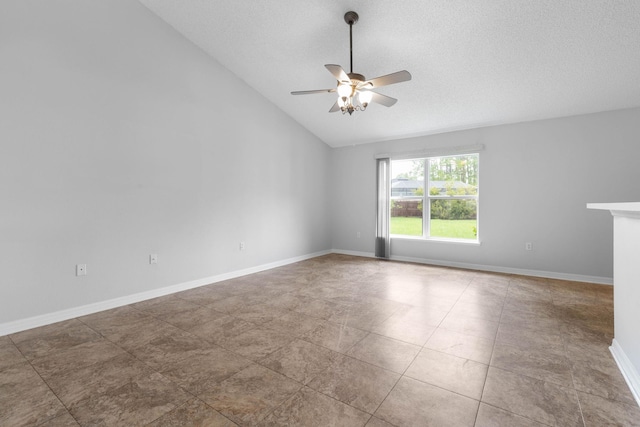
point(495, 341)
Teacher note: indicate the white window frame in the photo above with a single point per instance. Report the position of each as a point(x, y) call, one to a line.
point(426, 197)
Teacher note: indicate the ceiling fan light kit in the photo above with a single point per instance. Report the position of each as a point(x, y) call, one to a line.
point(355, 93)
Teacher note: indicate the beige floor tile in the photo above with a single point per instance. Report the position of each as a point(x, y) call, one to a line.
point(532, 398)
point(486, 311)
point(539, 317)
point(380, 306)
point(310, 408)
point(446, 287)
point(397, 295)
point(301, 360)
point(355, 383)
point(462, 376)
point(289, 301)
point(320, 308)
point(63, 420)
point(204, 295)
point(169, 304)
point(461, 345)
point(110, 321)
point(414, 403)
point(190, 319)
point(256, 344)
point(139, 401)
point(169, 350)
point(404, 330)
point(205, 368)
point(488, 286)
point(385, 352)
point(53, 338)
point(434, 303)
point(63, 362)
point(251, 394)
point(330, 293)
point(529, 288)
point(9, 353)
point(259, 313)
point(292, 323)
point(73, 385)
point(377, 422)
point(193, 413)
point(334, 336)
point(470, 326)
point(221, 329)
point(585, 342)
point(39, 407)
point(16, 379)
point(546, 366)
point(490, 416)
point(25, 399)
point(132, 334)
point(597, 316)
point(232, 304)
point(549, 341)
point(361, 318)
point(603, 378)
point(598, 411)
point(421, 315)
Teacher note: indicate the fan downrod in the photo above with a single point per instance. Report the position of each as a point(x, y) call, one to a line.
point(351, 18)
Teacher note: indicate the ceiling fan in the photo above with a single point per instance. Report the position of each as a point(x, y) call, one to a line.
point(354, 91)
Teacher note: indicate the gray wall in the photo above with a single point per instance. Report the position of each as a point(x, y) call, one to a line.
point(535, 181)
point(118, 139)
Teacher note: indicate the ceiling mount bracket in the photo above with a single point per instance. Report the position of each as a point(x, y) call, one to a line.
point(351, 17)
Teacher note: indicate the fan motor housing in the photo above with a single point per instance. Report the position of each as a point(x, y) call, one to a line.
point(355, 76)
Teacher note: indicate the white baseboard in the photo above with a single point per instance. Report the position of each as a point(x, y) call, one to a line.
point(629, 372)
point(491, 268)
point(58, 316)
point(354, 253)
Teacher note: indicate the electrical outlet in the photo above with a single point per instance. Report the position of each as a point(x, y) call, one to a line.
point(81, 269)
point(528, 246)
point(242, 246)
point(153, 259)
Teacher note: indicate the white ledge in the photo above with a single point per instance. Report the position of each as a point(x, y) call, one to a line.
point(628, 209)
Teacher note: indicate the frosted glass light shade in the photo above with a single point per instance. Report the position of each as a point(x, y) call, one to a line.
point(365, 97)
point(344, 90)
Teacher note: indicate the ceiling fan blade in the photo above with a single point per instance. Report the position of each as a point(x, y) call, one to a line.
point(389, 79)
point(338, 72)
point(385, 100)
point(335, 107)
point(309, 92)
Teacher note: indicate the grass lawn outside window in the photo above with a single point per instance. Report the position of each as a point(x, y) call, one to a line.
point(455, 229)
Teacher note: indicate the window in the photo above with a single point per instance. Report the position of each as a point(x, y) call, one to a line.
point(435, 197)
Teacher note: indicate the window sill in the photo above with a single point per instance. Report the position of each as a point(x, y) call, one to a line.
point(437, 239)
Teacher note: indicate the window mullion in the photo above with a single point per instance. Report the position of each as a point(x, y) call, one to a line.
point(426, 203)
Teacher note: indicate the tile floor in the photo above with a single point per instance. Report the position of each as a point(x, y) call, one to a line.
point(335, 340)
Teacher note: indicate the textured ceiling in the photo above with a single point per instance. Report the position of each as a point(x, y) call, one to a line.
point(474, 63)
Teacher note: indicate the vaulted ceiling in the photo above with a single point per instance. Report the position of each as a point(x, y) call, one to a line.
point(474, 62)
